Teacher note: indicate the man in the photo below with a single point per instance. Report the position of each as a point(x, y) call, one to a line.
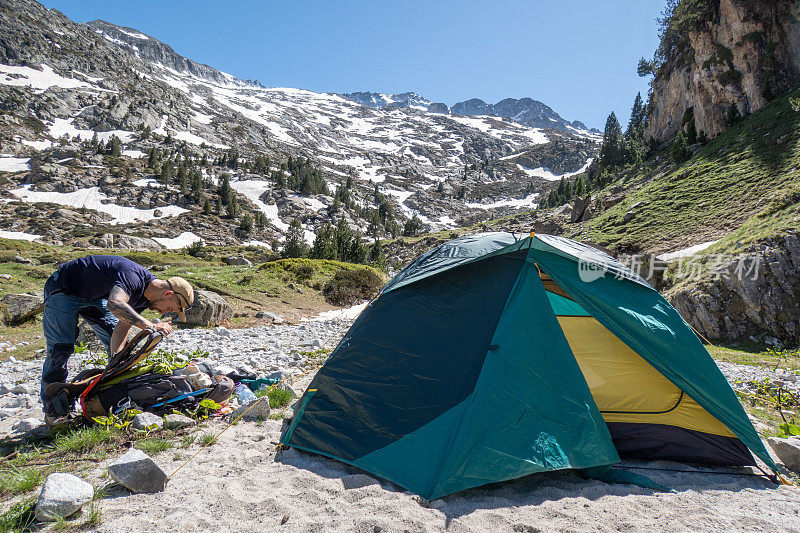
point(109, 292)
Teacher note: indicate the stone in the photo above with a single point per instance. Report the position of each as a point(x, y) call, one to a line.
point(787, 450)
point(237, 260)
point(259, 411)
point(630, 215)
point(144, 421)
point(176, 421)
point(275, 318)
point(137, 472)
point(62, 495)
point(22, 401)
point(357, 481)
point(22, 388)
point(28, 424)
point(208, 309)
point(18, 308)
point(222, 331)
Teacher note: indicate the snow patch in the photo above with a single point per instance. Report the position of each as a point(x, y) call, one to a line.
point(40, 80)
point(686, 252)
point(62, 126)
point(37, 145)
point(252, 190)
point(92, 198)
point(134, 154)
point(528, 201)
point(339, 314)
point(13, 164)
point(181, 241)
point(19, 235)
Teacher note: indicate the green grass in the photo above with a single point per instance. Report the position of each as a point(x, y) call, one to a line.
point(279, 397)
point(153, 445)
point(755, 355)
point(750, 169)
point(84, 440)
point(206, 439)
point(19, 517)
point(18, 481)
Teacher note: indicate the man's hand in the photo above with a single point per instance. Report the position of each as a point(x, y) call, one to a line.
point(163, 327)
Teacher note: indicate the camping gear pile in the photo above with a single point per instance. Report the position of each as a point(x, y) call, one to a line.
point(126, 384)
point(491, 357)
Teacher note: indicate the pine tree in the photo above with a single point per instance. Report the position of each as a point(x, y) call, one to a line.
point(152, 159)
point(295, 245)
point(324, 246)
point(207, 207)
point(413, 226)
point(232, 208)
point(115, 146)
point(225, 190)
point(246, 224)
point(218, 206)
point(611, 152)
point(166, 173)
point(376, 255)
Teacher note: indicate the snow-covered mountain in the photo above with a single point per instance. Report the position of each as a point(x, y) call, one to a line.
point(62, 83)
point(526, 111)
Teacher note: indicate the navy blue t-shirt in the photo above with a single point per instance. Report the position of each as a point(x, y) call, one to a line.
point(92, 277)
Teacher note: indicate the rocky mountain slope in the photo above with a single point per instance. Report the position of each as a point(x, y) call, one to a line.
point(524, 110)
point(66, 88)
point(722, 59)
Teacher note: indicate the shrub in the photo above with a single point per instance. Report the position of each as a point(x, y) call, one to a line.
point(346, 287)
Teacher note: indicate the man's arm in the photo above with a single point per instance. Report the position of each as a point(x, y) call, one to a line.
point(118, 336)
point(118, 305)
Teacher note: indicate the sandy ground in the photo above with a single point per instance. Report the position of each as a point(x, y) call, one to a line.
point(242, 484)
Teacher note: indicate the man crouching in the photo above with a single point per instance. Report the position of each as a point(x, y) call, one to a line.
point(109, 292)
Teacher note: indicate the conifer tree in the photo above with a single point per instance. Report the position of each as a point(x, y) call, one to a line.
point(295, 245)
point(246, 224)
point(611, 152)
point(225, 190)
point(207, 207)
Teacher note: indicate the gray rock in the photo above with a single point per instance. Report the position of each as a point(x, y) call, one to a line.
point(20, 307)
point(259, 411)
point(137, 472)
point(28, 424)
point(144, 421)
point(237, 260)
point(22, 388)
point(357, 481)
point(787, 450)
point(274, 317)
point(208, 309)
point(62, 495)
point(175, 421)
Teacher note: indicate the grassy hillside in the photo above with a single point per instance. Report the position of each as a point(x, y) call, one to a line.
point(744, 184)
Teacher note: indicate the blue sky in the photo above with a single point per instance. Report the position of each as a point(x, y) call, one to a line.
point(577, 56)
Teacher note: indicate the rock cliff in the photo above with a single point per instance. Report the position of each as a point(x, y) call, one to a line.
point(734, 57)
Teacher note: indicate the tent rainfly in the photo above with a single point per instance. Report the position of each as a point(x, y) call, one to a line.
point(490, 358)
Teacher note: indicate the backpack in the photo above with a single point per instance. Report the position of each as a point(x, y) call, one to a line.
point(100, 391)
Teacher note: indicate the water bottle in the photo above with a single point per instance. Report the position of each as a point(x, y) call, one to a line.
point(244, 394)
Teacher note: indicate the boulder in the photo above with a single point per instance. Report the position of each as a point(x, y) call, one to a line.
point(18, 308)
point(144, 421)
point(28, 424)
point(275, 318)
point(787, 450)
point(137, 472)
point(62, 495)
point(208, 309)
point(176, 421)
point(237, 260)
point(259, 411)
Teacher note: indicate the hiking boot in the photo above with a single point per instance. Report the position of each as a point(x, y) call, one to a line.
point(55, 422)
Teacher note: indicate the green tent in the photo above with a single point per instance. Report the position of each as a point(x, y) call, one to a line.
point(490, 358)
